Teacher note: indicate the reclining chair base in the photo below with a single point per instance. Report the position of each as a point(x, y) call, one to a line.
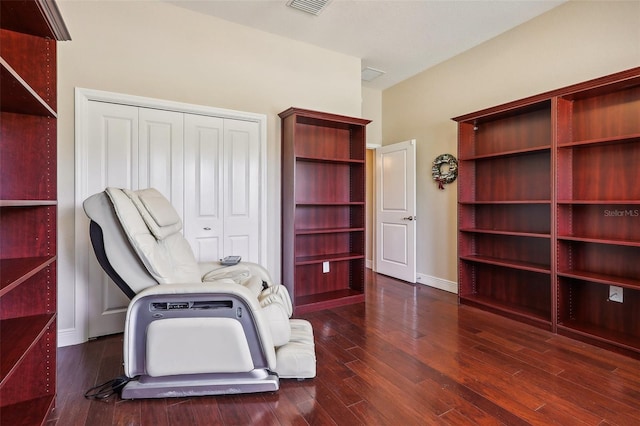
point(200, 385)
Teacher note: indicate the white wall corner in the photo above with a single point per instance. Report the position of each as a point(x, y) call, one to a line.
point(439, 283)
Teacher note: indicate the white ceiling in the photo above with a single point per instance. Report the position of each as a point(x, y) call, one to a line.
point(400, 37)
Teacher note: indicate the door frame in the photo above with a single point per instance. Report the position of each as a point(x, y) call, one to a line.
point(78, 333)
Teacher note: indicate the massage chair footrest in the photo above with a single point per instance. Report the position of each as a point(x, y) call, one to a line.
point(201, 384)
point(297, 359)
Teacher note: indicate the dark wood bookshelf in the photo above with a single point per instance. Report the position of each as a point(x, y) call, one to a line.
point(29, 31)
point(558, 173)
point(323, 200)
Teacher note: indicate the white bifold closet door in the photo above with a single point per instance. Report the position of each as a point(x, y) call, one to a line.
point(222, 187)
point(208, 167)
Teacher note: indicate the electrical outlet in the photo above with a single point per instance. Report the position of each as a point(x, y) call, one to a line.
point(615, 294)
point(325, 267)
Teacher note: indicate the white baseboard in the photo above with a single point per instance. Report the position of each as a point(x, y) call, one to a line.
point(70, 336)
point(439, 283)
point(368, 263)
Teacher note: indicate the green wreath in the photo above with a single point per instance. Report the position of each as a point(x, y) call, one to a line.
point(450, 175)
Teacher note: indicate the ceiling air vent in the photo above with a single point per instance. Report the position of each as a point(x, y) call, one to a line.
point(370, 74)
point(313, 7)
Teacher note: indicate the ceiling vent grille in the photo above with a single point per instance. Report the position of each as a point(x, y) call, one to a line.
point(313, 7)
point(370, 74)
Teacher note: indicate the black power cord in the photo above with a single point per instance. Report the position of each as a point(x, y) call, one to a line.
point(108, 388)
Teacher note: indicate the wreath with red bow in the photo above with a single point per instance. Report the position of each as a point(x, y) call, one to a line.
point(448, 176)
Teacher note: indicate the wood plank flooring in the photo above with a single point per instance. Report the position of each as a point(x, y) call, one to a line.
point(409, 356)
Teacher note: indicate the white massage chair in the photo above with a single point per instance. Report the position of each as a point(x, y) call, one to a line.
point(192, 329)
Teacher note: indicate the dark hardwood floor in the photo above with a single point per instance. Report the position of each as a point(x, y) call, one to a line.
point(409, 356)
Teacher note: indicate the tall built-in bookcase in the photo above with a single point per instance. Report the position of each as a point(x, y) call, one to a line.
point(505, 211)
point(28, 34)
point(323, 208)
point(549, 210)
point(598, 240)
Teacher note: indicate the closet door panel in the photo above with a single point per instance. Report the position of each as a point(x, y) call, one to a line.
point(113, 152)
point(203, 219)
point(241, 183)
point(112, 156)
point(160, 166)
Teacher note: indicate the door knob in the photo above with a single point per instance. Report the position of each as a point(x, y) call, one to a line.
point(409, 218)
point(207, 228)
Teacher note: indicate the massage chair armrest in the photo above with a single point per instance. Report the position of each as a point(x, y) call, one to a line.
point(213, 271)
point(220, 286)
point(195, 305)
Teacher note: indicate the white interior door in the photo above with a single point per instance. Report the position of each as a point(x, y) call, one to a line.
point(396, 210)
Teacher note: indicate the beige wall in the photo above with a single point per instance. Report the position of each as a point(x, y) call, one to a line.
point(575, 42)
point(158, 50)
point(372, 110)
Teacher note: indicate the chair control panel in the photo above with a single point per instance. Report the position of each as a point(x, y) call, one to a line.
point(173, 306)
